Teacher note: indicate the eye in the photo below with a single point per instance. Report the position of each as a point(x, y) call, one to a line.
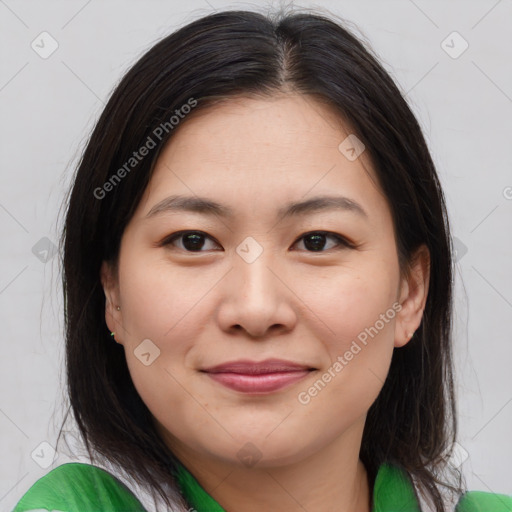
point(192, 241)
point(315, 241)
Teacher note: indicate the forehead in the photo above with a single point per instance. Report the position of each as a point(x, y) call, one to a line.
point(282, 148)
point(284, 121)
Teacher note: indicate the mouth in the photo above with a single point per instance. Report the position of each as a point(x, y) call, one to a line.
point(258, 377)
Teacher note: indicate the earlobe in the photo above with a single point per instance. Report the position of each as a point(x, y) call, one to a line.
point(413, 296)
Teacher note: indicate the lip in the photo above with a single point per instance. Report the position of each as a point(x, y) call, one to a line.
point(258, 377)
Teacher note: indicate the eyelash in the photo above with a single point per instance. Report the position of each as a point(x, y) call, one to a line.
point(341, 241)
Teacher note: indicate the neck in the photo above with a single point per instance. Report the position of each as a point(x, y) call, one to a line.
point(332, 478)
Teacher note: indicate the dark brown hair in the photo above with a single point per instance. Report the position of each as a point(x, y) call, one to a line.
point(412, 422)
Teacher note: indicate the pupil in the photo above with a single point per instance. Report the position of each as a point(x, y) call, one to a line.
point(318, 242)
point(196, 244)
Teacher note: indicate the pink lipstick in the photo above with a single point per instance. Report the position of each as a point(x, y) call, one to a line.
point(258, 377)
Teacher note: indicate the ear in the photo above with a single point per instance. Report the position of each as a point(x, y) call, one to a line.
point(413, 296)
point(111, 290)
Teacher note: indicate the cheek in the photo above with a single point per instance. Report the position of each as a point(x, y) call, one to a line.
point(157, 328)
point(352, 303)
point(158, 301)
point(355, 314)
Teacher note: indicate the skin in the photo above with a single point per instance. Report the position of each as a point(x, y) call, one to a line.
point(205, 308)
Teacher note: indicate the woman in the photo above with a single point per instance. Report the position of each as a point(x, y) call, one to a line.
point(258, 284)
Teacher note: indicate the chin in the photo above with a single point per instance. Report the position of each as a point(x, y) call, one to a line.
point(262, 451)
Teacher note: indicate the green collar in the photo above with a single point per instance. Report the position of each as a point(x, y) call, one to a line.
point(393, 490)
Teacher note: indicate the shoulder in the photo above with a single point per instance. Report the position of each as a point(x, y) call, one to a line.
point(78, 487)
point(395, 490)
point(479, 501)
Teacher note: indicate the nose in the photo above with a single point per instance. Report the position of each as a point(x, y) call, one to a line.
point(256, 299)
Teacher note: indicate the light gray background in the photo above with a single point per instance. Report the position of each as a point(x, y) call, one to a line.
point(49, 106)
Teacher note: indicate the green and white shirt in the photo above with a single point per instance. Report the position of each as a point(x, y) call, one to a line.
point(80, 487)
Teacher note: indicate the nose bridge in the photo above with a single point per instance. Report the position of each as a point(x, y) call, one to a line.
point(252, 268)
point(257, 299)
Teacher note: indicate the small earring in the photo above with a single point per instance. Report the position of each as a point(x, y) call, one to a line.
point(118, 308)
point(112, 334)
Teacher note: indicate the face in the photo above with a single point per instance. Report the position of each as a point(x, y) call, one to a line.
point(316, 285)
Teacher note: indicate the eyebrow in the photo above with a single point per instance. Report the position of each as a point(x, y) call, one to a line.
point(207, 206)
